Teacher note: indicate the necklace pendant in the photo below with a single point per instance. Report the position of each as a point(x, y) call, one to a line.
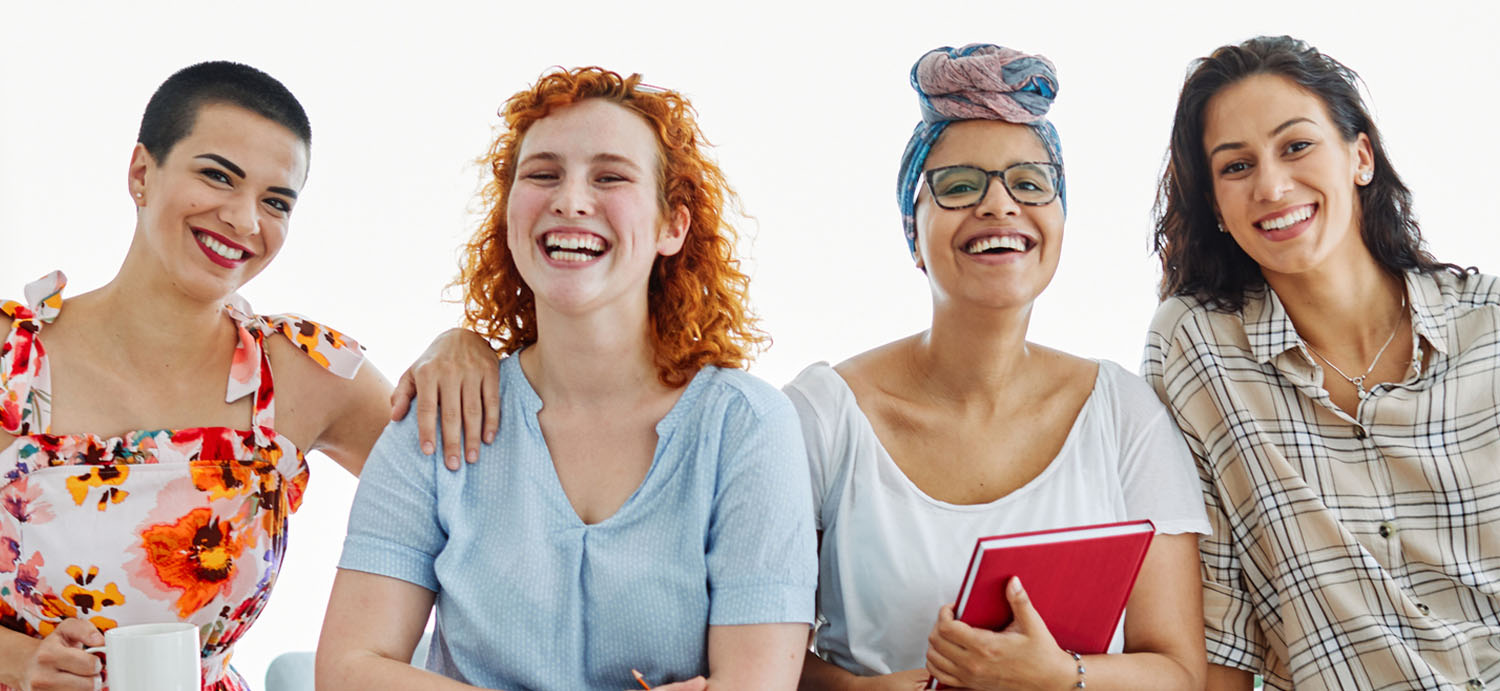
point(1359, 386)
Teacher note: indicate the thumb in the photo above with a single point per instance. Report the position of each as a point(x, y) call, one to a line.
point(401, 396)
point(1026, 617)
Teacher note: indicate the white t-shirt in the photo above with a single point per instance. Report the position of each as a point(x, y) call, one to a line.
point(891, 555)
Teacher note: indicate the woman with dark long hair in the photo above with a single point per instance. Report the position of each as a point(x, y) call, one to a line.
point(1339, 387)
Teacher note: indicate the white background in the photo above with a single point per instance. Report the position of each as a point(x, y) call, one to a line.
point(807, 102)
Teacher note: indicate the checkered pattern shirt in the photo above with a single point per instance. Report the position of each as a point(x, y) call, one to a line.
point(1348, 552)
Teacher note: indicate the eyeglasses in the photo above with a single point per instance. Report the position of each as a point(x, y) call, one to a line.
point(960, 187)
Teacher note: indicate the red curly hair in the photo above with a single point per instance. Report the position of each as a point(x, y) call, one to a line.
point(698, 299)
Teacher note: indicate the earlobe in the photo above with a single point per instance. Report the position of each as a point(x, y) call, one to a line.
point(1364, 159)
point(674, 232)
point(141, 163)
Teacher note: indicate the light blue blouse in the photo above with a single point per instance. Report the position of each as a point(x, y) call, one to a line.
point(720, 532)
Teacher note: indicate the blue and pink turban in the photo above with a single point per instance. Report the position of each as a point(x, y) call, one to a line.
point(979, 81)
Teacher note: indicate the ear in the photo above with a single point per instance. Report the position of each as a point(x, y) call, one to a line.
point(673, 232)
point(916, 258)
point(1364, 158)
point(141, 165)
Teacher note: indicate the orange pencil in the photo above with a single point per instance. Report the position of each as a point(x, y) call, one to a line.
point(640, 679)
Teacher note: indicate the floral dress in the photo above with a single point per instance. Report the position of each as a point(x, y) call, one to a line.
point(154, 525)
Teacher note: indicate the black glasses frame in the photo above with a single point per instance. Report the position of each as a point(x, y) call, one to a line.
point(991, 174)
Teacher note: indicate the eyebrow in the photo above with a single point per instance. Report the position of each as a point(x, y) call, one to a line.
point(598, 158)
point(240, 173)
point(1278, 130)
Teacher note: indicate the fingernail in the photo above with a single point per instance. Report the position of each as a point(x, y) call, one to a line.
point(473, 455)
point(489, 438)
point(452, 460)
point(1015, 582)
point(427, 448)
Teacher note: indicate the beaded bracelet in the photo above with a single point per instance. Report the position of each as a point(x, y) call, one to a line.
point(1078, 660)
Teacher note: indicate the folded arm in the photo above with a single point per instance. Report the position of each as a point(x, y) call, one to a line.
point(371, 628)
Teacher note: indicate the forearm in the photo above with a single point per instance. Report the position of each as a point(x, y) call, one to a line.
point(1221, 678)
point(16, 650)
point(359, 670)
point(1138, 671)
point(818, 675)
point(755, 657)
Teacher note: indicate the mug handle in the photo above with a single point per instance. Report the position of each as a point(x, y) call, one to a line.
point(103, 675)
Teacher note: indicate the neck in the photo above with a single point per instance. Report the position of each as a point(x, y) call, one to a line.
point(972, 353)
point(1351, 307)
point(148, 320)
point(595, 360)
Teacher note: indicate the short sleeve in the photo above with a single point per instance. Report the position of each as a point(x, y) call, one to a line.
point(335, 351)
point(1233, 632)
point(1234, 635)
point(1157, 473)
point(815, 399)
point(394, 528)
point(762, 552)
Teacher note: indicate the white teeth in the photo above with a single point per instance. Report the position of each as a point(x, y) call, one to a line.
point(1006, 242)
point(564, 256)
point(575, 242)
point(220, 248)
point(1280, 222)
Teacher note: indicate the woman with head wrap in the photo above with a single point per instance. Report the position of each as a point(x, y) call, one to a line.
point(1337, 384)
point(920, 446)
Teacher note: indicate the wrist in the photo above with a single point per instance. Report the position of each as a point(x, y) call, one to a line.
point(1074, 674)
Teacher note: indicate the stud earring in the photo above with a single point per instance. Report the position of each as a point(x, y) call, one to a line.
point(1221, 227)
point(1365, 177)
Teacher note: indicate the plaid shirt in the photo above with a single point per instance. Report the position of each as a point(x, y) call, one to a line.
point(1348, 552)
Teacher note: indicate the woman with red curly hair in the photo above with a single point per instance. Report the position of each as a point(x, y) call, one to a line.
point(646, 503)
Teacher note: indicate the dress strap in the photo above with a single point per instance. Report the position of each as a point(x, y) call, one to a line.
point(250, 373)
point(25, 381)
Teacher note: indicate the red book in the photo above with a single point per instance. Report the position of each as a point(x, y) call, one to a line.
point(1078, 580)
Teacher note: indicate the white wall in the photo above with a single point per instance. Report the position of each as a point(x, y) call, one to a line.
point(808, 103)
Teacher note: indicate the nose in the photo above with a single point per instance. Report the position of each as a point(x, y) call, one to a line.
point(573, 197)
point(242, 213)
point(997, 200)
point(1272, 181)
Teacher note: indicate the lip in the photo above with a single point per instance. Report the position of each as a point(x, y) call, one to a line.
point(1291, 231)
point(1003, 257)
point(541, 246)
point(214, 256)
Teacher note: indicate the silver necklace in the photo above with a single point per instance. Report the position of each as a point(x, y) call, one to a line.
point(1359, 381)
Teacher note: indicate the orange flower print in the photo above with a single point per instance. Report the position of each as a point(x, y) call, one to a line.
point(224, 480)
point(195, 555)
point(110, 477)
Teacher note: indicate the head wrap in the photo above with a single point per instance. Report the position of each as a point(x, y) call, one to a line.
point(979, 81)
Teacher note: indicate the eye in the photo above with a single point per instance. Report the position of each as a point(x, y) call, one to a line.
point(1234, 169)
point(608, 178)
point(960, 187)
point(542, 176)
point(216, 175)
point(279, 204)
point(1298, 147)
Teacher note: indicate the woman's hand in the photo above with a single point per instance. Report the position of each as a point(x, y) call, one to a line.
point(1023, 656)
point(59, 662)
point(457, 372)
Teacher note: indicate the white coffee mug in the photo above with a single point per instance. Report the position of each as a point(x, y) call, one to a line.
point(151, 657)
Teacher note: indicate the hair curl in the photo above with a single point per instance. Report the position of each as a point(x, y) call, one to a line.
point(1201, 262)
point(698, 298)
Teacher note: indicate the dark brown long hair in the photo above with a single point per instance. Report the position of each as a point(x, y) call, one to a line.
point(1199, 261)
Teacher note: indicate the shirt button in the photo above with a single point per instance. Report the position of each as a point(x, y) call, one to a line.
point(1387, 529)
point(1476, 684)
point(1359, 433)
point(1422, 608)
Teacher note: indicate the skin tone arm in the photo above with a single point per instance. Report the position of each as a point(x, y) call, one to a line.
point(54, 663)
point(1163, 637)
point(818, 675)
point(374, 622)
point(457, 373)
point(1221, 678)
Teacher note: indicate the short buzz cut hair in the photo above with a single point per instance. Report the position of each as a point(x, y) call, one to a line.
point(173, 109)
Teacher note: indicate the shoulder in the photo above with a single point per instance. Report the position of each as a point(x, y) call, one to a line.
point(1473, 290)
point(1181, 313)
point(1127, 390)
point(740, 390)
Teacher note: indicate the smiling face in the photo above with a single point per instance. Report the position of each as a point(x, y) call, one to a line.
point(584, 222)
point(214, 213)
point(997, 252)
point(1284, 180)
